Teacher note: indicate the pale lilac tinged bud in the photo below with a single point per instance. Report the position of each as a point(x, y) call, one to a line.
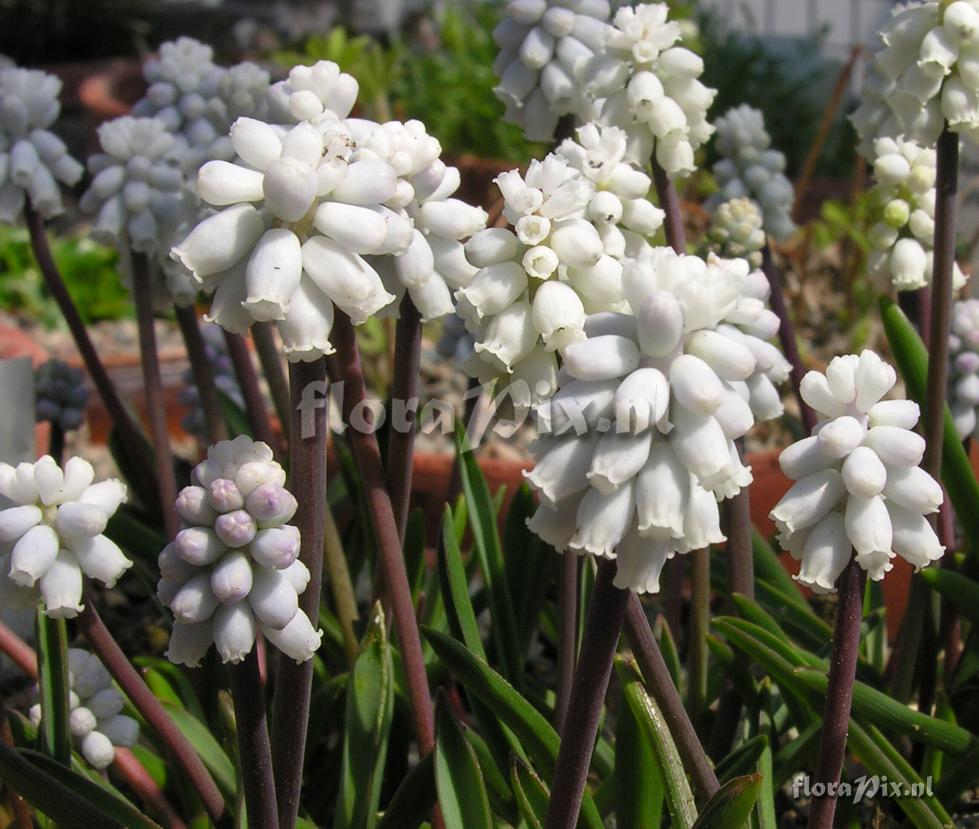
point(825, 554)
point(195, 601)
point(603, 520)
point(189, 643)
point(601, 358)
point(198, 545)
point(120, 730)
point(641, 400)
point(193, 505)
point(277, 547)
point(273, 599)
point(253, 474)
point(224, 496)
point(895, 446)
point(298, 575)
point(271, 505)
point(235, 529)
point(298, 640)
point(809, 500)
point(695, 385)
point(231, 578)
point(234, 632)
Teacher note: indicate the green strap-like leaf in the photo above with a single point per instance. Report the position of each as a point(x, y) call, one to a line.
point(455, 588)
point(370, 705)
point(413, 800)
point(211, 753)
point(743, 760)
point(52, 666)
point(960, 590)
point(730, 807)
point(638, 783)
point(957, 474)
point(66, 796)
point(458, 779)
point(534, 732)
point(482, 520)
point(531, 793)
point(679, 797)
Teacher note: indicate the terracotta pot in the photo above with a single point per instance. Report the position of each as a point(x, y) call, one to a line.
point(113, 89)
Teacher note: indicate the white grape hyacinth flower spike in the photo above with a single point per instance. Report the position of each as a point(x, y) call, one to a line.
point(963, 384)
point(98, 726)
point(858, 487)
point(233, 572)
point(51, 534)
point(637, 446)
point(34, 162)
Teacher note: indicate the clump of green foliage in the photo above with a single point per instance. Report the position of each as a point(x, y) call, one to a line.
point(450, 84)
point(89, 271)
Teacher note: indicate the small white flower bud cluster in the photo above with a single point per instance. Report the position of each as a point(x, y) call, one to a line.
point(60, 395)
point(651, 87)
point(904, 201)
point(543, 44)
point(52, 534)
point(963, 383)
point(750, 168)
point(136, 192)
point(32, 158)
point(309, 208)
point(96, 721)
point(926, 73)
point(434, 263)
point(561, 261)
point(858, 484)
point(737, 231)
point(639, 441)
point(233, 570)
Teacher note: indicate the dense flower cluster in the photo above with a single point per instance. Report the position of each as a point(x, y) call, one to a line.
point(858, 484)
point(639, 440)
point(306, 210)
point(225, 380)
point(32, 158)
point(651, 87)
point(926, 73)
point(737, 231)
point(575, 216)
point(543, 45)
point(963, 382)
point(750, 168)
point(136, 191)
point(233, 570)
point(904, 200)
point(60, 395)
point(52, 534)
point(96, 720)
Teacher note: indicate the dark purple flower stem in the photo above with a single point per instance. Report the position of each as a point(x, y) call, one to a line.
point(660, 684)
point(567, 646)
point(215, 427)
point(307, 481)
point(786, 336)
point(254, 752)
point(603, 625)
point(156, 410)
point(404, 410)
point(269, 357)
point(149, 707)
point(839, 693)
point(251, 392)
point(122, 419)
